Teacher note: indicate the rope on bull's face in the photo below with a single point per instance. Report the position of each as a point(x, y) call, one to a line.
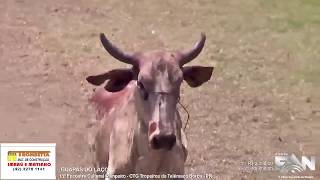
point(185, 109)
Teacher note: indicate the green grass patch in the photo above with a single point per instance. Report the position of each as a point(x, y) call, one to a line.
point(298, 22)
point(288, 15)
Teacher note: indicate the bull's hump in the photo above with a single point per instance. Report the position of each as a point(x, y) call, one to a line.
point(108, 100)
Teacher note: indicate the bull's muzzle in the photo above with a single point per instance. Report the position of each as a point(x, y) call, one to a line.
point(163, 141)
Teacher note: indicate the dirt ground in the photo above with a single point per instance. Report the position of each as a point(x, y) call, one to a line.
point(264, 96)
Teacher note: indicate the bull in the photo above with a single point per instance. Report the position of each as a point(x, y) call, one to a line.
point(140, 129)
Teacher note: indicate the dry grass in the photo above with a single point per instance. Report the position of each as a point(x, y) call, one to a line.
point(264, 97)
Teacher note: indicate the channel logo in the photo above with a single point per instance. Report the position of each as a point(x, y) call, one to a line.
point(28, 161)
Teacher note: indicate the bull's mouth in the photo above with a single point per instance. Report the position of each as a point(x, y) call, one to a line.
point(163, 142)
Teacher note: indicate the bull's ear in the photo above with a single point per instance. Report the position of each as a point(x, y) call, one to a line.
point(118, 79)
point(98, 79)
point(196, 75)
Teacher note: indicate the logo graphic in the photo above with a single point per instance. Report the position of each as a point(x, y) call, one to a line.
point(291, 164)
point(28, 161)
point(12, 156)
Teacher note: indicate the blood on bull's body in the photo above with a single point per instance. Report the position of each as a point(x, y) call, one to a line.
point(140, 129)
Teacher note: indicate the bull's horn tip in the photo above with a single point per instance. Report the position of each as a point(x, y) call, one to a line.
point(102, 35)
point(203, 35)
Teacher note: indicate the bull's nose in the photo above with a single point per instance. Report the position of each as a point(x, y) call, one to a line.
point(163, 141)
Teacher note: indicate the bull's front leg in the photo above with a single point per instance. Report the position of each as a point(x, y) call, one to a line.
point(110, 173)
point(118, 168)
point(120, 156)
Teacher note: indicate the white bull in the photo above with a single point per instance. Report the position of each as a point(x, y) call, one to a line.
point(140, 129)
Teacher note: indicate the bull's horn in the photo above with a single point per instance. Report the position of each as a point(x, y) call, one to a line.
point(117, 53)
point(194, 52)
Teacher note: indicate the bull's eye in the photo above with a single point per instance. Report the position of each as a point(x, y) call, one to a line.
point(143, 91)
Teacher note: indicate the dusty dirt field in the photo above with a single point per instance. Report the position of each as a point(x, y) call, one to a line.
point(264, 97)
